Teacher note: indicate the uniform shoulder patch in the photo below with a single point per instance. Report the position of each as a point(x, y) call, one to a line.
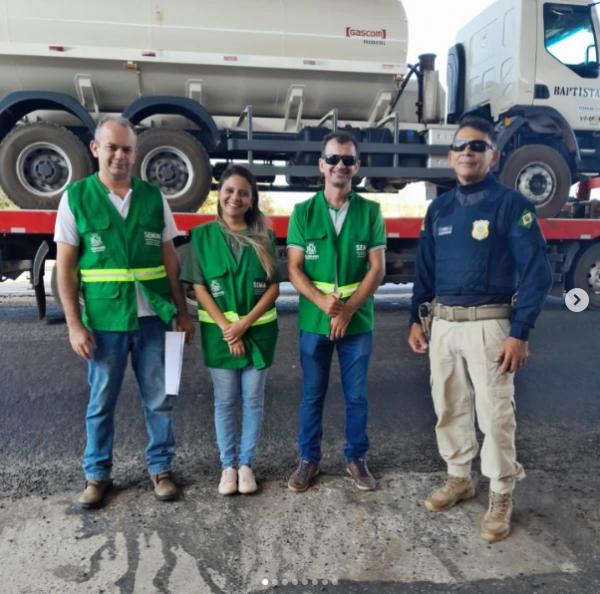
point(526, 219)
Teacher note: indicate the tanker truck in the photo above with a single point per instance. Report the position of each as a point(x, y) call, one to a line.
point(263, 82)
point(207, 83)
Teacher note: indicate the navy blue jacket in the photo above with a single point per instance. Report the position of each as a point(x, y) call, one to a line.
point(481, 244)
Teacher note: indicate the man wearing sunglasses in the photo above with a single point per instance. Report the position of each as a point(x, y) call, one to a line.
point(336, 248)
point(482, 261)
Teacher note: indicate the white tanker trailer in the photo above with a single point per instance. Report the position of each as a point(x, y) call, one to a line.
point(185, 71)
point(260, 82)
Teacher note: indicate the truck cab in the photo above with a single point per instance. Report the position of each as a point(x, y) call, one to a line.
point(532, 67)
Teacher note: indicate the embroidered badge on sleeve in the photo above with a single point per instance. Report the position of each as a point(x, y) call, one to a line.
point(526, 219)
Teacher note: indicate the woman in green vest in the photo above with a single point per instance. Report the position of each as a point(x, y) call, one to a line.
point(233, 267)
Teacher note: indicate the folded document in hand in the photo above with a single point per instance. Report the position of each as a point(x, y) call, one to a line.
point(174, 342)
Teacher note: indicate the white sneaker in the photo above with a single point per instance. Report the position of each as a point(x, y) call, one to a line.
point(247, 482)
point(228, 484)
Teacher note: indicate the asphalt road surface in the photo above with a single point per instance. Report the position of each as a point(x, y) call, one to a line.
point(330, 539)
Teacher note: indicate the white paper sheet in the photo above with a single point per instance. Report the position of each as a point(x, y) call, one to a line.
point(174, 342)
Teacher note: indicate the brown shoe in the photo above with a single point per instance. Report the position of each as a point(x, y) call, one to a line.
point(164, 488)
point(303, 475)
point(94, 493)
point(362, 477)
point(456, 489)
point(496, 521)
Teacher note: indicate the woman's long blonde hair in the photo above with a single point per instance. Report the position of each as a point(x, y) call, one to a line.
point(258, 231)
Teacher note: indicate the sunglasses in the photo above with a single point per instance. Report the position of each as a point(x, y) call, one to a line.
point(347, 160)
point(477, 146)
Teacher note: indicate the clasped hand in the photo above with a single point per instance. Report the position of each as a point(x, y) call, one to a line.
point(339, 314)
point(232, 334)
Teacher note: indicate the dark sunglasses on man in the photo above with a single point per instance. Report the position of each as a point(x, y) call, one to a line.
point(477, 146)
point(347, 160)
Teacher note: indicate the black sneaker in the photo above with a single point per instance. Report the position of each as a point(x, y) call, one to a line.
point(362, 477)
point(302, 476)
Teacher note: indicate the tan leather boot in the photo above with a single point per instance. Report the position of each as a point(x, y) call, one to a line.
point(496, 521)
point(94, 493)
point(456, 489)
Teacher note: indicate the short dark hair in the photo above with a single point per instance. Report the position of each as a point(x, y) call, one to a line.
point(480, 124)
point(342, 137)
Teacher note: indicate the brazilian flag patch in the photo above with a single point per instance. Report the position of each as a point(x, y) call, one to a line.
point(526, 219)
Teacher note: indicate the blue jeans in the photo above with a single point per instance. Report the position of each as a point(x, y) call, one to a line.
point(316, 352)
point(229, 386)
point(105, 376)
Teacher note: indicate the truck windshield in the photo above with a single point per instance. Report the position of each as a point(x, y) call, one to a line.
point(569, 37)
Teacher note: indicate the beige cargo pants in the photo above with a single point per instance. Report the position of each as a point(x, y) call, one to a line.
point(465, 380)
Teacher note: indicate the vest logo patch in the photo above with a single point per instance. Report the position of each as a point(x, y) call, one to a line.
point(96, 243)
point(153, 239)
point(481, 229)
point(526, 219)
point(216, 289)
point(310, 253)
point(361, 250)
point(259, 287)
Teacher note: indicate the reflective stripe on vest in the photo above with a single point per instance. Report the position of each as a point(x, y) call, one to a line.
point(102, 275)
point(343, 291)
point(232, 316)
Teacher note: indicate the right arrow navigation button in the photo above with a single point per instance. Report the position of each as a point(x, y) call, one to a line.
point(577, 300)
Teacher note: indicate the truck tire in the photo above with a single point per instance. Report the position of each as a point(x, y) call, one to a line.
point(178, 164)
point(541, 174)
point(587, 274)
point(38, 161)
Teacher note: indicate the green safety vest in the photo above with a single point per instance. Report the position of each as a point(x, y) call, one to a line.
point(117, 254)
point(331, 259)
point(236, 287)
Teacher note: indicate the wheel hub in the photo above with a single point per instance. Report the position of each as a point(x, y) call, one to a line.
point(44, 169)
point(594, 277)
point(536, 183)
point(169, 168)
point(165, 172)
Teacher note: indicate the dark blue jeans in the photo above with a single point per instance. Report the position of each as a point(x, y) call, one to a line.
point(354, 353)
point(105, 376)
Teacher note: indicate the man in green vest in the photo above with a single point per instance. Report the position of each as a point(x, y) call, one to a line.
point(336, 261)
point(115, 232)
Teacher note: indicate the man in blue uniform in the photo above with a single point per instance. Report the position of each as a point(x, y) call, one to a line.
point(482, 261)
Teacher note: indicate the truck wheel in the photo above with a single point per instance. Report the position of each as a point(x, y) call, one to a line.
point(178, 164)
point(38, 161)
point(587, 274)
point(541, 174)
